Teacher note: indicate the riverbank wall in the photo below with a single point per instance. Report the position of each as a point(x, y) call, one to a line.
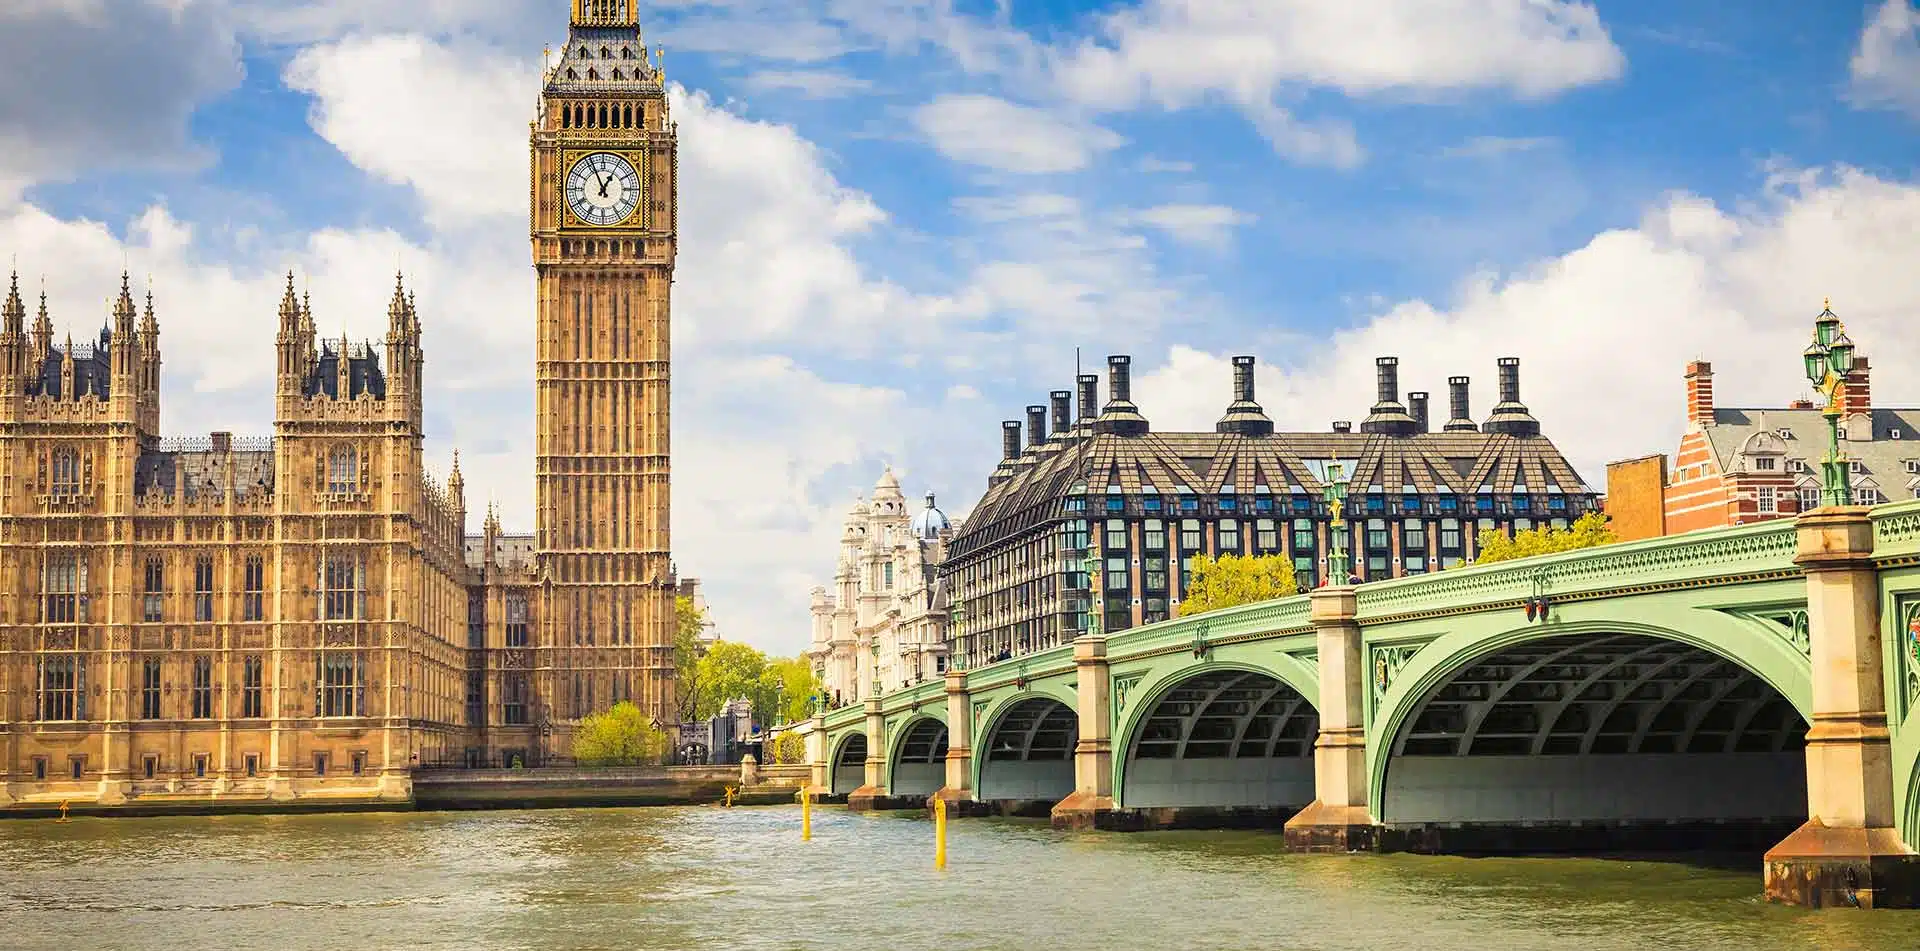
point(436, 789)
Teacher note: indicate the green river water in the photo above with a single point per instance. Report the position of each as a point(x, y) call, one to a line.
point(742, 879)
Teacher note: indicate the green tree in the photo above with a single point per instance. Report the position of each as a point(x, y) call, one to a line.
point(1589, 531)
point(787, 749)
point(730, 671)
point(687, 690)
point(1236, 579)
point(622, 736)
point(794, 688)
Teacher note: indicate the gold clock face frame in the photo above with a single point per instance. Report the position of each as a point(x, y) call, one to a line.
point(585, 173)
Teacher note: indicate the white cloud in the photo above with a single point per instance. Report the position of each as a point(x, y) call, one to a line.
point(813, 83)
point(83, 90)
point(1210, 225)
point(449, 121)
point(997, 134)
point(1886, 64)
point(1152, 164)
point(1177, 53)
point(1604, 331)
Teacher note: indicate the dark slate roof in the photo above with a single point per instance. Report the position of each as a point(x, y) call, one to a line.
point(1460, 463)
point(595, 56)
point(363, 371)
point(92, 371)
point(195, 469)
point(1891, 459)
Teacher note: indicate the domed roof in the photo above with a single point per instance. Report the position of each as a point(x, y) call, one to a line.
point(928, 525)
point(888, 486)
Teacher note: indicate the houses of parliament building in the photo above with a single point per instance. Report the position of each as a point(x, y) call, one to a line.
point(305, 617)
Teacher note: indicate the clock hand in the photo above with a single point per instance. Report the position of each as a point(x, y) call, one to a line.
point(605, 185)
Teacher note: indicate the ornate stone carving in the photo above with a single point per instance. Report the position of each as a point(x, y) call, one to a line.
point(1386, 663)
point(1909, 655)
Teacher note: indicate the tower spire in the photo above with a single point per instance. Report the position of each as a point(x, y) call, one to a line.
point(15, 311)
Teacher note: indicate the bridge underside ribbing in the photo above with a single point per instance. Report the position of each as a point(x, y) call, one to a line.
point(1617, 741)
point(849, 766)
point(1028, 763)
point(920, 767)
point(1225, 747)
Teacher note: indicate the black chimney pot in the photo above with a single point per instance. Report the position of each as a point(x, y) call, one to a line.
point(1010, 439)
point(1036, 425)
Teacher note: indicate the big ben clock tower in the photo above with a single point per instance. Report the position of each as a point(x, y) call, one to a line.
point(603, 221)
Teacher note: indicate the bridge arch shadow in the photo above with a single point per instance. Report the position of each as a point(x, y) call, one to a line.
point(919, 762)
point(1595, 741)
point(1025, 755)
point(849, 765)
point(1219, 745)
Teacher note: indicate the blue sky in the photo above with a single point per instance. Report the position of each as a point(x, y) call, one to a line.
point(899, 219)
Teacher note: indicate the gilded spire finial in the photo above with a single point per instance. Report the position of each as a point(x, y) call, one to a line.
point(1826, 303)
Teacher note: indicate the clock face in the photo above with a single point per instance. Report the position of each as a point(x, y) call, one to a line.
point(603, 189)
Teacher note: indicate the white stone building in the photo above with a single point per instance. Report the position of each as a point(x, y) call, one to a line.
point(883, 627)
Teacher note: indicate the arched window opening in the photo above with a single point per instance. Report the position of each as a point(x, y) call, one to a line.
point(606, 53)
point(566, 118)
point(66, 472)
point(343, 471)
point(616, 75)
point(572, 75)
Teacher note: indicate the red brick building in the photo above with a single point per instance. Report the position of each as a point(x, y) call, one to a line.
point(1736, 466)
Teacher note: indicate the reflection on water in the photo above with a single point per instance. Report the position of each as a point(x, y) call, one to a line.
point(742, 879)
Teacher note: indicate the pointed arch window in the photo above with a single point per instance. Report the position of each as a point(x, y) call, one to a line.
point(203, 588)
point(343, 589)
point(66, 472)
point(343, 470)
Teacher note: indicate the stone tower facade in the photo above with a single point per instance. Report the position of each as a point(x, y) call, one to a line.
point(603, 227)
point(220, 619)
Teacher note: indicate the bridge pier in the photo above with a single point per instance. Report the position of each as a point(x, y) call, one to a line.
point(1091, 804)
point(1849, 852)
point(819, 779)
point(872, 794)
point(1338, 819)
point(958, 789)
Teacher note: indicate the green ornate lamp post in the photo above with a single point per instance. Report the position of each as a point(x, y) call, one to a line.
point(1336, 496)
point(1828, 361)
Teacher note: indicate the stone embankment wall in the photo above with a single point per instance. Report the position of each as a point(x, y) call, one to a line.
point(638, 786)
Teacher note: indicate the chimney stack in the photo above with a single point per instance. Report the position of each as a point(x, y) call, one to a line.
point(1417, 407)
point(223, 443)
point(1510, 416)
point(1342, 426)
point(1858, 392)
point(1010, 440)
point(1036, 426)
point(1244, 416)
point(1388, 416)
point(1462, 421)
point(1120, 416)
point(1062, 401)
point(1089, 385)
point(1699, 395)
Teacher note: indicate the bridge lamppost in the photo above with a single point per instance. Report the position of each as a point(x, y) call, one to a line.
point(1336, 496)
point(1829, 358)
point(1096, 598)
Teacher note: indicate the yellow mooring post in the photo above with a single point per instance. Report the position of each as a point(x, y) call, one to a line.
point(63, 812)
point(806, 815)
point(730, 790)
point(939, 833)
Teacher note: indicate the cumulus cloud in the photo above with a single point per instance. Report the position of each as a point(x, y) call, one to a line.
point(1886, 63)
point(997, 134)
point(1176, 53)
point(90, 85)
point(1604, 331)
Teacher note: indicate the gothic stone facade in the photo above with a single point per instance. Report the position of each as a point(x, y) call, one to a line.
point(230, 620)
point(603, 226)
point(1096, 525)
point(282, 619)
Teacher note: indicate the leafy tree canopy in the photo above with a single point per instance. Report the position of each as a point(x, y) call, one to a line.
point(622, 736)
point(1589, 531)
point(689, 621)
point(1230, 580)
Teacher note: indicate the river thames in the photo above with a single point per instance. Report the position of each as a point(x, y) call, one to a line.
point(742, 879)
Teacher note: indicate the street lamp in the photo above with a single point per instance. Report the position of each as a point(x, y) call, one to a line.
point(1096, 598)
point(1336, 496)
point(1828, 359)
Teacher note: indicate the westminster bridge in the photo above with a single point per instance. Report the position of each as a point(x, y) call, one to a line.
point(1645, 695)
